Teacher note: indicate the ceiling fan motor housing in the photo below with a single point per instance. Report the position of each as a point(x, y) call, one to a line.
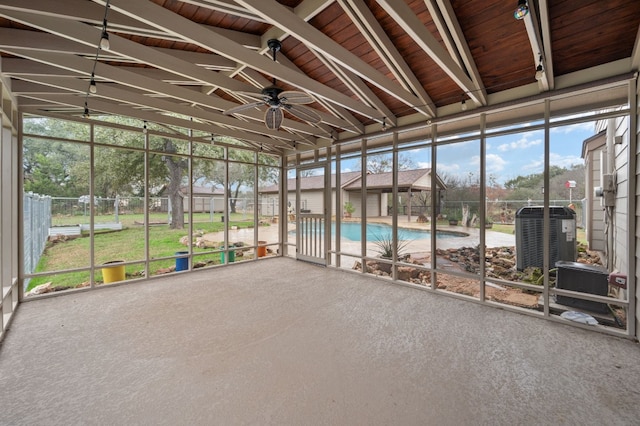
point(272, 93)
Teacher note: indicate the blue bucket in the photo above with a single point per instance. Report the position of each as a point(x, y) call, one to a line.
point(182, 263)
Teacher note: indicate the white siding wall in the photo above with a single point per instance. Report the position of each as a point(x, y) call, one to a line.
point(621, 212)
point(314, 201)
point(594, 210)
point(373, 204)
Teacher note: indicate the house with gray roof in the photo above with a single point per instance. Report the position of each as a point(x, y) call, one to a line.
point(379, 186)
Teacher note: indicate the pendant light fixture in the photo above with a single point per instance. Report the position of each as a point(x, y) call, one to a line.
point(522, 10)
point(104, 40)
point(92, 85)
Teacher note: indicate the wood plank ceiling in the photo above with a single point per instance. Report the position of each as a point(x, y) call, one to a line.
point(365, 63)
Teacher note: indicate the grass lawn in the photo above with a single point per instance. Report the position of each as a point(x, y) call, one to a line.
point(127, 244)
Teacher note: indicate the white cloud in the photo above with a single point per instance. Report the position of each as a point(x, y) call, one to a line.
point(534, 167)
point(565, 161)
point(448, 168)
point(588, 126)
point(521, 143)
point(494, 163)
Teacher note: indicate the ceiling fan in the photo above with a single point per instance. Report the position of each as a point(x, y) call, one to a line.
point(278, 99)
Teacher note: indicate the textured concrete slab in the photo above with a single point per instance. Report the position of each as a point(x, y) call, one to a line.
point(287, 343)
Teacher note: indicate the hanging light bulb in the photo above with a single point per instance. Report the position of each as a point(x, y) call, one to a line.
point(213, 139)
point(92, 85)
point(144, 127)
point(522, 10)
point(464, 105)
point(104, 40)
point(539, 72)
point(86, 114)
point(384, 124)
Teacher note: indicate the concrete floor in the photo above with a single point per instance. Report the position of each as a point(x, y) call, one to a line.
point(282, 342)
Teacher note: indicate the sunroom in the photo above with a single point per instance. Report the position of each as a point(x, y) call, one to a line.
point(121, 125)
point(170, 138)
point(202, 148)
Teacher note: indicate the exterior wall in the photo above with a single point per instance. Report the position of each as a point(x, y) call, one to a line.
point(314, 201)
point(424, 181)
point(621, 212)
point(373, 203)
point(594, 212)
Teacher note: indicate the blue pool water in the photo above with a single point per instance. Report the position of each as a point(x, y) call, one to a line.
point(376, 231)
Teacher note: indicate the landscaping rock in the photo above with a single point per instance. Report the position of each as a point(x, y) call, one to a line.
point(41, 289)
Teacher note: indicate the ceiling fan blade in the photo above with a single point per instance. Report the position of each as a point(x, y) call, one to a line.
point(243, 107)
point(303, 113)
point(295, 97)
point(273, 118)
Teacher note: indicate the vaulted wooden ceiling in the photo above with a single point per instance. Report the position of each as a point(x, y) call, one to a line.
point(365, 63)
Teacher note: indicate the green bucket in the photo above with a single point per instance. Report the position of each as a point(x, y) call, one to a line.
point(232, 256)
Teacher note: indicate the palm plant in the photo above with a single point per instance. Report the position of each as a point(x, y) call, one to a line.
point(384, 244)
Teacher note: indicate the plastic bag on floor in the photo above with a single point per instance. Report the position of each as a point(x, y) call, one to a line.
point(580, 317)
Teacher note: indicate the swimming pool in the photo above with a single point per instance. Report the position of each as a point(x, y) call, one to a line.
point(376, 231)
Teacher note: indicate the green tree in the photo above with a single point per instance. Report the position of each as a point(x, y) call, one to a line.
point(382, 163)
point(48, 168)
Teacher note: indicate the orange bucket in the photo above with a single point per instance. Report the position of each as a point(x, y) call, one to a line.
point(262, 248)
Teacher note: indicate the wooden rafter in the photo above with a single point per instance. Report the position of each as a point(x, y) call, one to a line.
point(382, 44)
point(447, 23)
point(277, 14)
point(405, 17)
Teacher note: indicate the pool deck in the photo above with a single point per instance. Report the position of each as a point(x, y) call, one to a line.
point(472, 238)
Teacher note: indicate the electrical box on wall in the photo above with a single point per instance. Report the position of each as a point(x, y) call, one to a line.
point(608, 190)
point(608, 182)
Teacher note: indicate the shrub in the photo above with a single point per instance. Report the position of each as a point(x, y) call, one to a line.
point(384, 244)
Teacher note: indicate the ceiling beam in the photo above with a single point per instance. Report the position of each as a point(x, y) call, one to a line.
point(306, 10)
point(89, 35)
point(50, 42)
point(382, 44)
point(279, 15)
point(251, 74)
point(443, 14)
point(404, 16)
point(340, 114)
point(545, 26)
point(124, 95)
point(358, 86)
point(93, 13)
point(537, 48)
point(127, 110)
point(196, 34)
point(139, 82)
point(226, 6)
point(20, 66)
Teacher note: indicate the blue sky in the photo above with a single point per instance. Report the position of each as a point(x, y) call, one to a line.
point(508, 156)
point(517, 154)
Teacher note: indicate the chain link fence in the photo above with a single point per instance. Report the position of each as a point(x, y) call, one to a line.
point(36, 223)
